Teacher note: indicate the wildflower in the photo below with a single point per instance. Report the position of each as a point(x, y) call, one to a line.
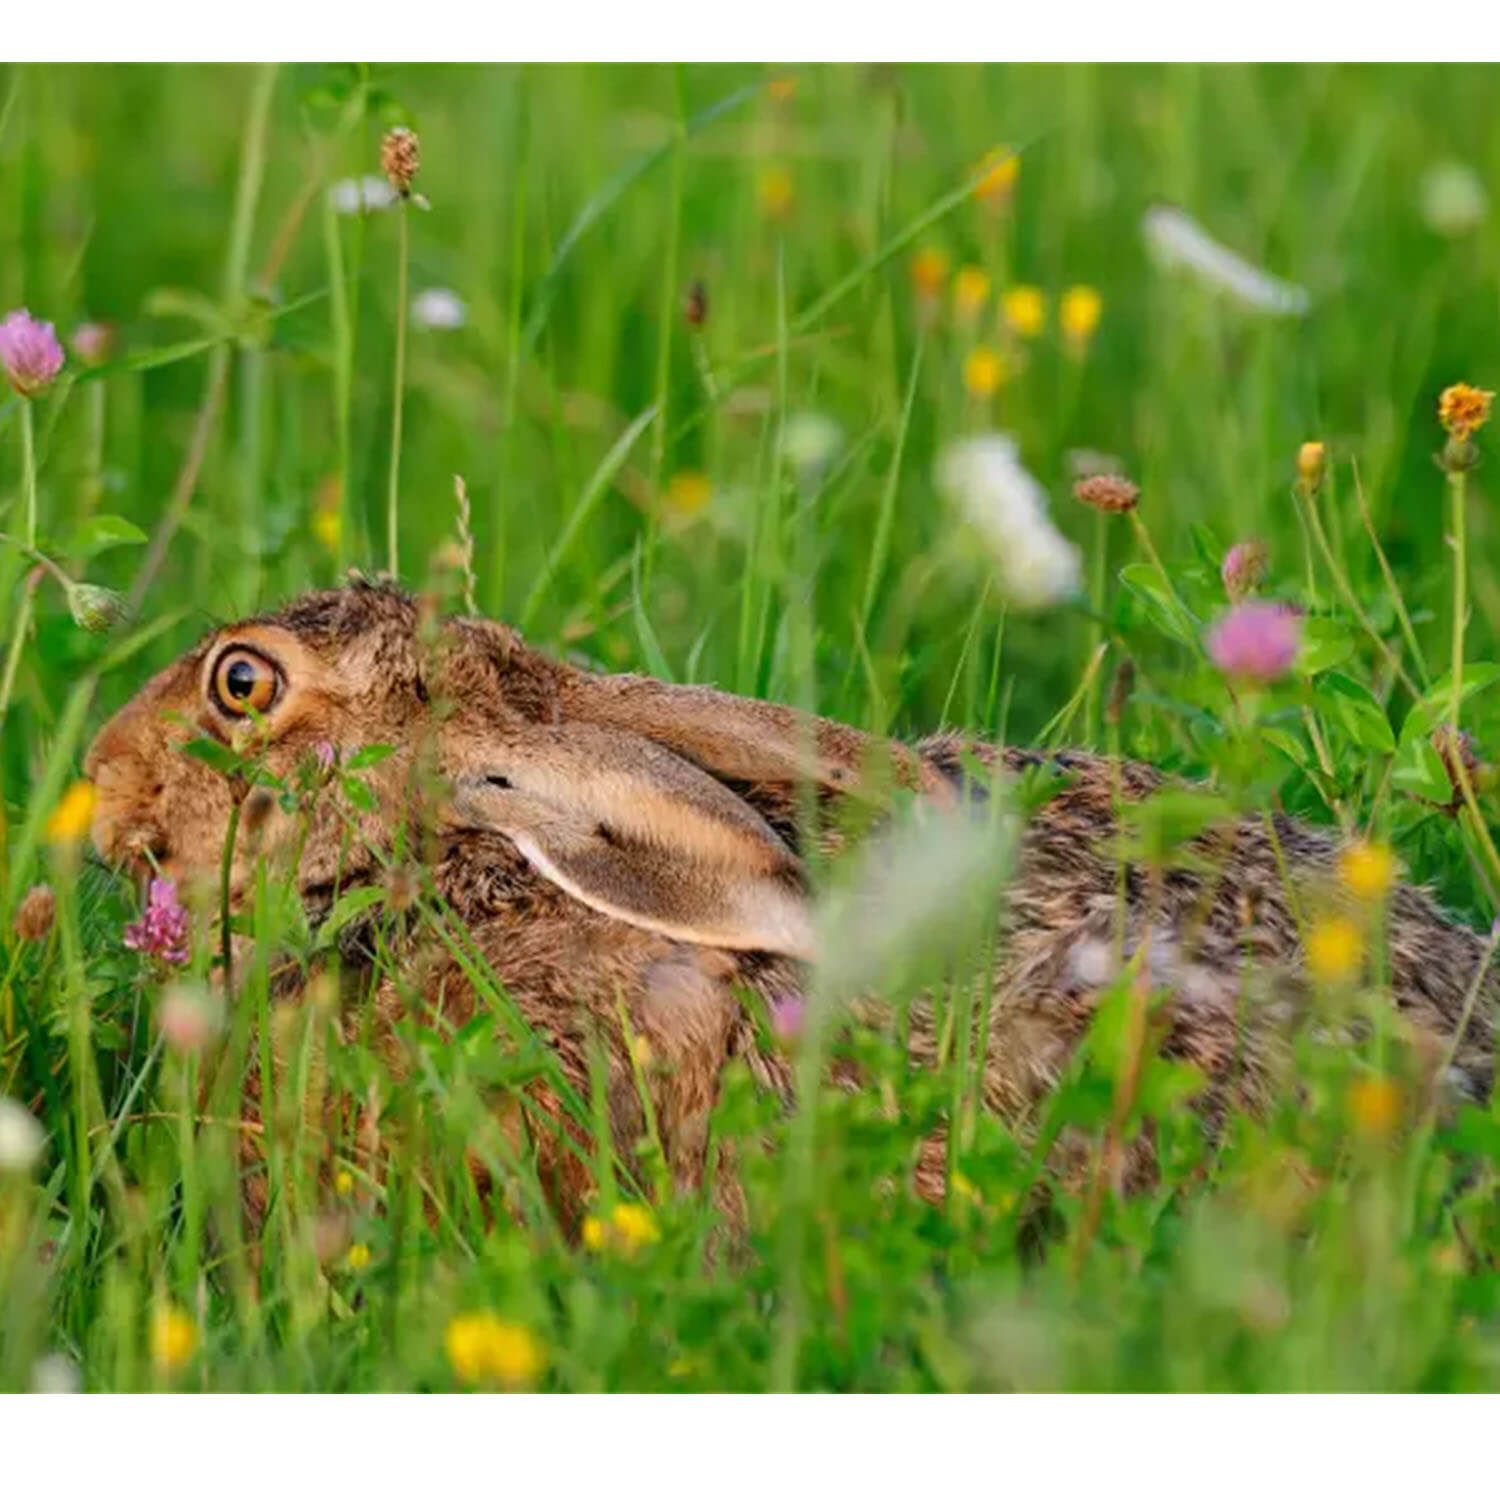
point(1078, 314)
point(1112, 493)
point(1244, 568)
point(370, 194)
point(971, 290)
point(174, 1337)
point(328, 513)
point(1175, 239)
point(1463, 410)
point(95, 609)
point(162, 931)
point(1024, 310)
point(984, 370)
point(485, 1350)
point(438, 307)
point(1368, 870)
point(21, 1137)
point(781, 90)
point(640, 1052)
point(29, 352)
point(1452, 198)
point(35, 915)
point(326, 754)
point(1001, 166)
point(1375, 1107)
point(358, 1258)
point(810, 441)
point(788, 1017)
point(71, 817)
point(93, 343)
point(343, 1183)
point(1256, 642)
point(688, 492)
point(401, 158)
point(629, 1228)
point(775, 192)
point(929, 273)
point(55, 1375)
point(1334, 950)
point(189, 1017)
point(1311, 458)
point(695, 305)
point(985, 480)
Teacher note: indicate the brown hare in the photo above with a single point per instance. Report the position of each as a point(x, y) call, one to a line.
point(615, 840)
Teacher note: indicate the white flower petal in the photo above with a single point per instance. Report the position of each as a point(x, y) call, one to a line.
point(1175, 239)
point(439, 307)
point(21, 1137)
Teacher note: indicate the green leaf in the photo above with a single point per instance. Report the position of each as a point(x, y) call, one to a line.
point(1419, 771)
point(219, 757)
point(1433, 707)
point(1165, 612)
point(1354, 707)
point(358, 794)
point(370, 755)
point(99, 532)
point(1325, 643)
point(350, 905)
point(1289, 745)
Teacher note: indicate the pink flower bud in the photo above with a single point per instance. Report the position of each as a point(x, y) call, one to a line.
point(1256, 642)
point(29, 353)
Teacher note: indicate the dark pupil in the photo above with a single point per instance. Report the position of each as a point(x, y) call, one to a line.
point(240, 679)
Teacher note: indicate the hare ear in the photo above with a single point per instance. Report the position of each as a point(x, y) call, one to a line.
point(634, 831)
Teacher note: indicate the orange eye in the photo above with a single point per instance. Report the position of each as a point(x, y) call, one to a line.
point(245, 681)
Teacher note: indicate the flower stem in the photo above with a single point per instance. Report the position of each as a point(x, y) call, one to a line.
point(23, 610)
point(391, 501)
point(1458, 485)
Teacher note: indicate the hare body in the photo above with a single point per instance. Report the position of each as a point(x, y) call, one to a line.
point(620, 848)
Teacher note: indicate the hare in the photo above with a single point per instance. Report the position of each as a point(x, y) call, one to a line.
point(616, 841)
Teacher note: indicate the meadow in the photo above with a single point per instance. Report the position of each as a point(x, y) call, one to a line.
point(696, 341)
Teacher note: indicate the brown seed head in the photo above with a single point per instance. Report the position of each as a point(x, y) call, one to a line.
point(401, 158)
point(695, 305)
point(1463, 410)
point(35, 914)
point(1112, 493)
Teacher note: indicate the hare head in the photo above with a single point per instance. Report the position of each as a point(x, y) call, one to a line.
point(623, 791)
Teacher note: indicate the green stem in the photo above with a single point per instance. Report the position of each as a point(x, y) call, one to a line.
point(1458, 484)
point(23, 612)
point(391, 501)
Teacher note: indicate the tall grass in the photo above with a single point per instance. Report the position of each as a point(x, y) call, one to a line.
point(1324, 1245)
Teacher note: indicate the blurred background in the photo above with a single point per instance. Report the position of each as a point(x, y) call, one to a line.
point(570, 209)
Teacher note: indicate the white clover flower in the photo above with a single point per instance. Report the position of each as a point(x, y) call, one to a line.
point(55, 1375)
point(21, 1137)
point(985, 480)
point(1175, 239)
point(1453, 198)
point(352, 195)
point(439, 307)
point(810, 440)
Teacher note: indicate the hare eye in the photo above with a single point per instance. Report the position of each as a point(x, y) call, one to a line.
point(244, 681)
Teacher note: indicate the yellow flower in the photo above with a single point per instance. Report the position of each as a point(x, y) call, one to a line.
point(782, 90)
point(1334, 950)
point(1025, 310)
point(1463, 410)
point(964, 1188)
point(630, 1228)
point(688, 492)
point(484, 1350)
point(1078, 312)
point(640, 1050)
point(929, 272)
point(1001, 167)
point(1311, 458)
point(358, 1257)
point(71, 817)
point(983, 372)
point(328, 513)
point(775, 192)
point(343, 1184)
point(174, 1337)
point(971, 290)
point(1375, 1107)
point(1368, 870)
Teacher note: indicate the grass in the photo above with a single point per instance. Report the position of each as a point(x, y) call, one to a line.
point(239, 448)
